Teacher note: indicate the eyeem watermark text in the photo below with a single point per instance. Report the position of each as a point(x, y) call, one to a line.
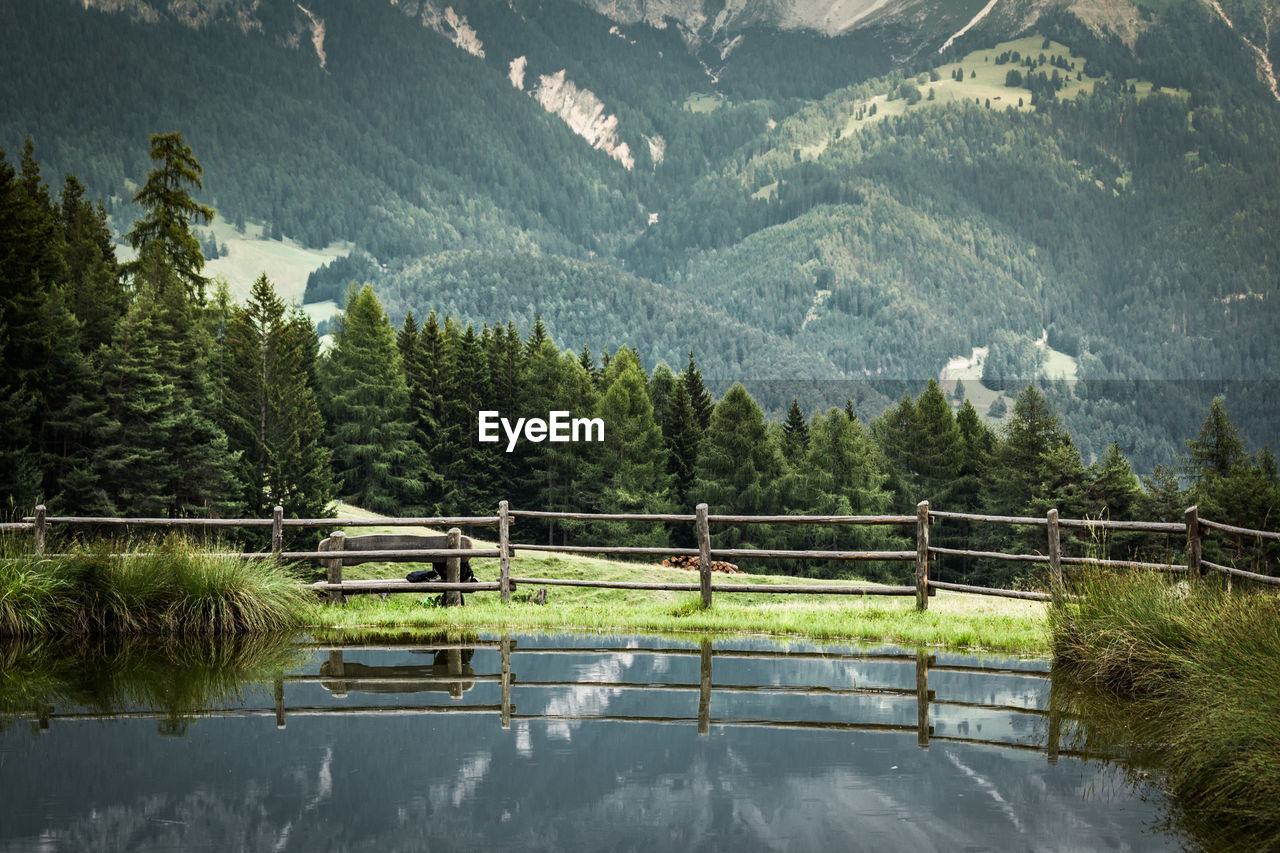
point(557, 427)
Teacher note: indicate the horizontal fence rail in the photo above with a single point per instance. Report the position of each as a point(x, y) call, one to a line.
point(450, 673)
point(1192, 527)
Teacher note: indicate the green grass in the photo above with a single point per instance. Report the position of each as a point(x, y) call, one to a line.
point(166, 586)
point(1192, 673)
point(953, 619)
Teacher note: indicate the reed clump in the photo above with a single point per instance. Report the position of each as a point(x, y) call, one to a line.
point(1195, 670)
point(168, 586)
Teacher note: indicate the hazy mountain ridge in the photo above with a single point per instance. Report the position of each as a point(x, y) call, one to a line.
point(776, 234)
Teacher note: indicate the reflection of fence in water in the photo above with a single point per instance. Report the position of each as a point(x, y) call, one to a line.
point(450, 672)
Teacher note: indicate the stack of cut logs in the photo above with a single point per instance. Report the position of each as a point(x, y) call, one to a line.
point(694, 563)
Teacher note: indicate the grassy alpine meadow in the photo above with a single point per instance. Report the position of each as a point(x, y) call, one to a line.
point(166, 586)
point(952, 619)
point(1189, 673)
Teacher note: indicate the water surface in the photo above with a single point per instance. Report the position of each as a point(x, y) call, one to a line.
point(568, 742)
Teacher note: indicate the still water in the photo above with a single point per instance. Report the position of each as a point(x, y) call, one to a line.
point(557, 742)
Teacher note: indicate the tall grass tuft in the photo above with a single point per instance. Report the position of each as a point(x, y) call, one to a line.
point(1196, 671)
point(167, 586)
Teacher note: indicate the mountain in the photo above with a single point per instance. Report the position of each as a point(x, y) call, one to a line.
point(856, 193)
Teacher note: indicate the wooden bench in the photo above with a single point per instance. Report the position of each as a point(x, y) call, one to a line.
point(441, 551)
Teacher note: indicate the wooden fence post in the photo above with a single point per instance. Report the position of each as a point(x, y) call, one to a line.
point(922, 698)
point(1055, 554)
point(337, 542)
point(1192, 517)
point(504, 552)
point(704, 688)
point(277, 532)
point(704, 553)
point(453, 567)
point(40, 528)
point(922, 555)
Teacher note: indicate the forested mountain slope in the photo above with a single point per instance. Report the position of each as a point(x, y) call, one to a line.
point(844, 192)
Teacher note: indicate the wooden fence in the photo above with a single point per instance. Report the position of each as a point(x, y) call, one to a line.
point(454, 676)
point(1192, 527)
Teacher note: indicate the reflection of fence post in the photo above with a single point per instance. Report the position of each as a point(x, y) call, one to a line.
point(1055, 719)
point(337, 542)
point(277, 532)
point(922, 555)
point(1192, 517)
point(504, 552)
point(506, 678)
point(454, 658)
point(279, 701)
point(337, 671)
point(40, 528)
point(704, 554)
point(922, 698)
point(704, 688)
point(1055, 554)
point(453, 568)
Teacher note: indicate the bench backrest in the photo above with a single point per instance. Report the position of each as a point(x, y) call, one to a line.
point(353, 545)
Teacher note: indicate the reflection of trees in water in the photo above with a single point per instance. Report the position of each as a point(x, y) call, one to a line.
point(174, 676)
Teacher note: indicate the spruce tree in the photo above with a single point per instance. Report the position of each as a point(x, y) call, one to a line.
point(795, 433)
point(681, 434)
point(699, 397)
point(163, 237)
point(1218, 448)
point(470, 481)
point(273, 421)
point(632, 463)
point(366, 403)
point(740, 468)
point(662, 385)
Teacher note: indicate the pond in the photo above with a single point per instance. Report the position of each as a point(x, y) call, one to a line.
point(564, 742)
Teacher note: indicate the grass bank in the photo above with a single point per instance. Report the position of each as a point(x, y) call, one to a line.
point(1192, 673)
point(164, 587)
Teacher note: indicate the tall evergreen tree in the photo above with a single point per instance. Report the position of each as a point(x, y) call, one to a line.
point(163, 237)
point(682, 435)
point(662, 385)
point(273, 421)
point(699, 398)
point(367, 410)
point(795, 434)
point(740, 468)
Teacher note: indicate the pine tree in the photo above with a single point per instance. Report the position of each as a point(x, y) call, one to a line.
point(740, 468)
point(681, 435)
point(795, 434)
point(1112, 489)
point(936, 456)
point(662, 386)
point(273, 421)
point(699, 397)
point(632, 464)
point(1218, 449)
point(95, 293)
point(366, 406)
point(163, 237)
point(958, 393)
point(470, 481)
point(132, 462)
